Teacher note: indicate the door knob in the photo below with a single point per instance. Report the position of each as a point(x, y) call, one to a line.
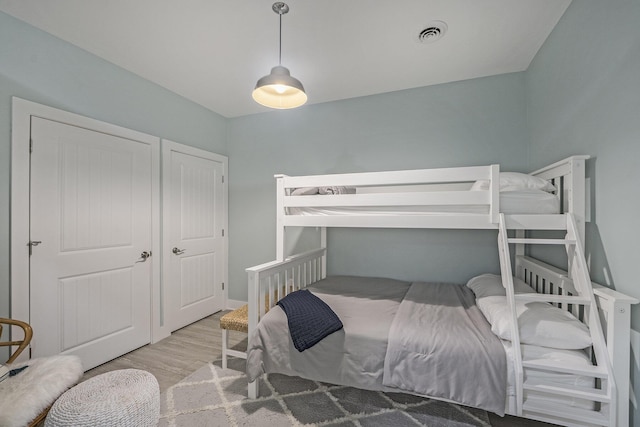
point(177, 251)
point(143, 256)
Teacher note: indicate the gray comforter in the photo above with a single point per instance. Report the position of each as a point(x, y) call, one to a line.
point(386, 327)
point(440, 345)
point(353, 355)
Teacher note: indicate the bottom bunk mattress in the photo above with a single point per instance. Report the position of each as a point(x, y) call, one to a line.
point(424, 338)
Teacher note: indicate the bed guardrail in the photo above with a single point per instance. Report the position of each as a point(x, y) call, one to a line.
point(568, 175)
point(272, 281)
point(396, 195)
point(614, 309)
point(413, 189)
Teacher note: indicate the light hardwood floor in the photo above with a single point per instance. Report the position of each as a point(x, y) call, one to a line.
point(177, 356)
point(189, 348)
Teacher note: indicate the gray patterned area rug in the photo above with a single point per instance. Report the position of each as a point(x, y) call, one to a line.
point(213, 396)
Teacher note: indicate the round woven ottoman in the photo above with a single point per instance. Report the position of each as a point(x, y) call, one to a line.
point(128, 397)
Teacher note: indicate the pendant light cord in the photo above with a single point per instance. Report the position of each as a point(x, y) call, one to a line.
point(280, 42)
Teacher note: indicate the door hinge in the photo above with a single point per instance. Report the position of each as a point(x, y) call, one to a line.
point(223, 179)
point(223, 286)
point(30, 145)
point(223, 232)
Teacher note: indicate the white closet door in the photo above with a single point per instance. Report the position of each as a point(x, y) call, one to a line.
point(194, 206)
point(91, 211)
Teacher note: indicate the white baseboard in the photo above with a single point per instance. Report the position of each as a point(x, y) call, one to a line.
point(232, 304)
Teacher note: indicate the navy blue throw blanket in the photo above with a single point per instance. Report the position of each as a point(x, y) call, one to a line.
point(310, 319)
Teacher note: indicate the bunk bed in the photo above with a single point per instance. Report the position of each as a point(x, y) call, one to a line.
point(567, 385)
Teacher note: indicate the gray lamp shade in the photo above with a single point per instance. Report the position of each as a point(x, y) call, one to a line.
point(279, 90)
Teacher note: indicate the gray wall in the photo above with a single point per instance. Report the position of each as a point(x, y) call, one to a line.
point(583, 96)
point(474, 122)
point(40, 68)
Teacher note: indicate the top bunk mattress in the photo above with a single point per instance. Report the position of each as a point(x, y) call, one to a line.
point(511, 202)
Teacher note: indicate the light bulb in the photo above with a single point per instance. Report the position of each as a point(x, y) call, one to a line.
point(280, 88)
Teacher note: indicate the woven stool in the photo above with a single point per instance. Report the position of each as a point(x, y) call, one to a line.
point(236, 320)
point(124, 398)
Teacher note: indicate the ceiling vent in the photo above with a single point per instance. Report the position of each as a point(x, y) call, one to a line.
point(432, 32)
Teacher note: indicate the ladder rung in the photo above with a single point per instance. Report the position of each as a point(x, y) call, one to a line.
point(594, 394)
point(567, 412)
point(541, 241)
point(548, 365)
point(554, 420)
point(565, 299)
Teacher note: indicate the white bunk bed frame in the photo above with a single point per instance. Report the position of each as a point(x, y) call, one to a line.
point(571, 290)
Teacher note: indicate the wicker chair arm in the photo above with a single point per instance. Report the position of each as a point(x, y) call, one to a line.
point(23, 343)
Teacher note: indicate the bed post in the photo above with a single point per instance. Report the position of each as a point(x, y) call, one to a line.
point(520, 250)
point(576, 193)
point(254, 297)
point(323, 244)
point(619, 350)
point(280, 234)
point(618, 336)
point(494, 207)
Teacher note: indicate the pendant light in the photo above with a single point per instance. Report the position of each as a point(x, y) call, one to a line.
point(278, 89)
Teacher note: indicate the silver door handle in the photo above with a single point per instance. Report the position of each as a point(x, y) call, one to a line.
point(143, 256)
point(32, 244)
point(177, 251)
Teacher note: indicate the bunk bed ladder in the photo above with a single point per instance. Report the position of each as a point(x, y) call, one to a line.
point(507, 282)
point(603, 393)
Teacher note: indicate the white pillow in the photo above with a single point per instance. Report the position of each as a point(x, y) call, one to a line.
point(515, 181)
point(305, 191)
point(489, 285)
point(540, 323)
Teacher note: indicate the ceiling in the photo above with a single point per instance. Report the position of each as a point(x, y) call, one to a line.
point(213, 51)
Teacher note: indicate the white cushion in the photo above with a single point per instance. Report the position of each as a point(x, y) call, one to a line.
point(25, 395)
point(540, 323)
point(515, 181)
point(125, 397)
